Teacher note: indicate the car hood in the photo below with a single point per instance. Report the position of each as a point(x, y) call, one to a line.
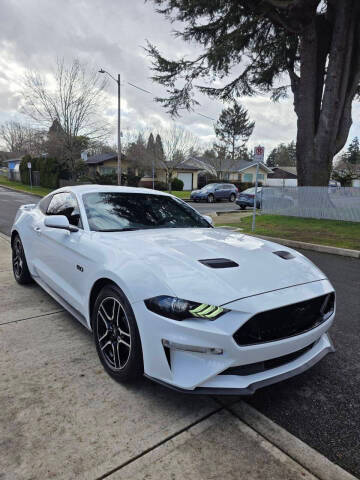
point(173, 256)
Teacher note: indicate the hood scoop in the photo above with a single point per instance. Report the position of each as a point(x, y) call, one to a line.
point(284, 254)
point(219, 263)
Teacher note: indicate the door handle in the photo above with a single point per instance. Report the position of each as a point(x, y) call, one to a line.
point(37, 229)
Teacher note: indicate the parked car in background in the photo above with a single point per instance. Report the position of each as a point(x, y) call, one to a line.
point(246, 198)
point(273, 194)
point(214, 192)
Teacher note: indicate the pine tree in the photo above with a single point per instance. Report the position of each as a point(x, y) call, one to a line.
point(234, 126)
point(353, 152)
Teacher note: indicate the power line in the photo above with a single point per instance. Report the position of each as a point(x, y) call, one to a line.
point(147, 91)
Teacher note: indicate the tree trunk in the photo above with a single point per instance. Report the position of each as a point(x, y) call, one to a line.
point(323, 103)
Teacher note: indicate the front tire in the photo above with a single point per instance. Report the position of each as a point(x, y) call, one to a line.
point(210, 198)
point(20, 267)
point(232, 197)
point(116, 335)
point(242, 207)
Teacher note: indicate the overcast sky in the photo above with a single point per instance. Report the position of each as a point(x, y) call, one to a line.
point(110, 34)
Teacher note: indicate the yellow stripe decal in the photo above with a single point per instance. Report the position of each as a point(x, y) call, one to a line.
point(199, 308)
point(215, 313)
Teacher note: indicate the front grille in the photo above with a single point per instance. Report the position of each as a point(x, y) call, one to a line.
point(286, 321)
point(267, 364)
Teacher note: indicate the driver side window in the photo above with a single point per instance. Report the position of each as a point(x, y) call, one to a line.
point(65, 204)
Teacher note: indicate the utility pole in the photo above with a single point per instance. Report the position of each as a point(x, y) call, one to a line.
point(119, 133)
point(119, 123)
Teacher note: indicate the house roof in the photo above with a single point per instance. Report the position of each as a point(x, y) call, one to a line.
point(283, 172)
point(102, 157)
point(241, 165)
point(12, 160)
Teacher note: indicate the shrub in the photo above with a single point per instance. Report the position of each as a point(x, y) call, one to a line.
point(160, 186)
point(24, 171)
point(49, 172)
point(177, 184)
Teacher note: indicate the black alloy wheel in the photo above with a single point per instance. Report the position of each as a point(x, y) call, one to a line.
point(116, 335)
point(20, 267)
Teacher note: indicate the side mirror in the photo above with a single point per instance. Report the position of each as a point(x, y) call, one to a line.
point(61, 222)
point(208, 219)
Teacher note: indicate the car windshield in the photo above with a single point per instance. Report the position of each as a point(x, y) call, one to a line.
point(208, 187)
point(115, 211)
point(251, 191)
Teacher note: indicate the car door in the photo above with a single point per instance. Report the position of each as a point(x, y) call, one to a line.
point(218, 192)
point(60, 259)
point(226, 191)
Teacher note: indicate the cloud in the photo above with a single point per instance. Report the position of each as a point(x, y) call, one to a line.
point(111, 34)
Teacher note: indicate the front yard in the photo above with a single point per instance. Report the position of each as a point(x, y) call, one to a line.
point(325, 232)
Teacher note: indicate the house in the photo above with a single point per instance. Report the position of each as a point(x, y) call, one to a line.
point(187, 171)
point(282, 177)
point(105, 163)
point(241, 171)
point(13, 166)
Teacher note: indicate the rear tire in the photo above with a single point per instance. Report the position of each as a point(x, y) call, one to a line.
point(20, 267)
point(116, 335)
point(242, 207)
point(210, 198)
point(232, 197)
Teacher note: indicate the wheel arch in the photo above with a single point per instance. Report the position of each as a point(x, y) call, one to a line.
point(95, 290)
point(13, 235)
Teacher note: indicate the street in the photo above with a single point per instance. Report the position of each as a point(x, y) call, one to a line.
point(321, 406)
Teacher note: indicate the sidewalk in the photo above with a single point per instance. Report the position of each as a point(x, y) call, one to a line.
point(61, 416)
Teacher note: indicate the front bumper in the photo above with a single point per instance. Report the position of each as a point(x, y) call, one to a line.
point(196, 372)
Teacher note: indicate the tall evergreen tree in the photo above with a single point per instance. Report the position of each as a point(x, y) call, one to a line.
point(310, 46)
point(233, 127)
point(282, 156)
point(353, 152)
point(151, 153)
point(159, 149)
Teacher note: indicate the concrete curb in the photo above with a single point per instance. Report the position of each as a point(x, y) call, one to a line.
point(4, 237)
point(345, 252)
point(295, 448)
point(21, 191)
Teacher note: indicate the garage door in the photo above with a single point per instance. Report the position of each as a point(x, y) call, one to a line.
point(187, 179)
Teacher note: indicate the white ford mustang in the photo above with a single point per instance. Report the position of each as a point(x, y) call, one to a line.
point(166, 295)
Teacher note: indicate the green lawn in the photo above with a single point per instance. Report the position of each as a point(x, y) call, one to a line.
point(24, 188)
point(181, 194)
point(325, 232)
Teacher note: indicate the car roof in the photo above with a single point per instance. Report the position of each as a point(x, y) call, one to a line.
point(83, 189)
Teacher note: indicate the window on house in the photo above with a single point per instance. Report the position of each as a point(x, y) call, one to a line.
point(107, 170)
point(260, 176)
point(247, 177)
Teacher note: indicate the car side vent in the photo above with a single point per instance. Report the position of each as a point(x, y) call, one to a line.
point(284, 254)
point(219, 263)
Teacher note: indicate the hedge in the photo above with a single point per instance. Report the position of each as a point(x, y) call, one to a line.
point(49, 169)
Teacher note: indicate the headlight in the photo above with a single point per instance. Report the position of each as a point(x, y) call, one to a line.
point(179, 309)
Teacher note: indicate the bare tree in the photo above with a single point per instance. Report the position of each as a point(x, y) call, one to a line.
point(74, 102)
point(178, 144)
point(21, 138)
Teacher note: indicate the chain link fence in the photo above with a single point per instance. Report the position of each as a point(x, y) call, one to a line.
point(334, 203)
